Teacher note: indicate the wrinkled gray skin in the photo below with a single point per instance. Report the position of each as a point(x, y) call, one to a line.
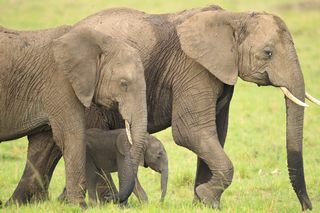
point(48, 77)
point(192, 60)
point(107, 152)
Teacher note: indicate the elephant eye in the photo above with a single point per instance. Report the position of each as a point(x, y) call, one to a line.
point(160, 154)
point(124, 85)
point(268, 53)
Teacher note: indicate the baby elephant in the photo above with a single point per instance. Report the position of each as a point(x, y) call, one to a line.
point(109, 151)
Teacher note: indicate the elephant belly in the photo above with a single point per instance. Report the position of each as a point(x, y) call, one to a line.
point(19, 119)
point(109, 167)
point(159, 108)
point(158, 123)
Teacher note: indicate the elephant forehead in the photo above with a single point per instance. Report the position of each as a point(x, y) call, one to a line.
point(124, 70)
point(263, 24)
point(269, 31)
point(155, 149)
point(134, 30)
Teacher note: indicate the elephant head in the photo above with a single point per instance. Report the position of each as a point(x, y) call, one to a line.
point(258, 48)
point(155, 157)
point(106, 71)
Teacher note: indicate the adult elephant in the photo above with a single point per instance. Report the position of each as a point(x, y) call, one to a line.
point(48, 78)
point(192, 60)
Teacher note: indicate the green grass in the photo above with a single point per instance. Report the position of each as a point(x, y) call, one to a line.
point(256, 138)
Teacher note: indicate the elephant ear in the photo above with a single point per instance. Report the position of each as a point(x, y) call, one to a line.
point(142, 159)
point(207, 37)
point(123, 147)
point(77, 54)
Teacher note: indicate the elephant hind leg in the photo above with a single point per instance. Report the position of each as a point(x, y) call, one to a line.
point(106, 189)
point(43, 156)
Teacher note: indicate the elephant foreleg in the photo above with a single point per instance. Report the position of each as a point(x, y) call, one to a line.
point(203, 173)
point(194, 127)
point(139, 192)
point(92, 177)
point(75, 167)
point(43, 156)
point(222, 111)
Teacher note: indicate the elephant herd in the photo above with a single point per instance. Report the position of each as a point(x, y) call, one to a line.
point(92, 92)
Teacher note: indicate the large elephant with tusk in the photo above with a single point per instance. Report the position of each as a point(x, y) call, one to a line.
point(47, 80)
point(192, 60)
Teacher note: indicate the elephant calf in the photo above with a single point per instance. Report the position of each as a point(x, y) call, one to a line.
point(109, 151)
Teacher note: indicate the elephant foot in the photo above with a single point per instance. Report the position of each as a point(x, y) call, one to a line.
point(27, 193)
point(92, 203)
point(206, 195)
point(108, 199)
point(123, 204)
point(40, 197)
point(80, 202)
point(19, 200)
point(83, 205)
point(305, 202)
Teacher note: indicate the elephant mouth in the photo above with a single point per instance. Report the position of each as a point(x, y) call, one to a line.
point(154, 167)
point(261, 79)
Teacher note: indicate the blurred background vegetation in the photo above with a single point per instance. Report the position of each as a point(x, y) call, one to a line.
point(256, 136)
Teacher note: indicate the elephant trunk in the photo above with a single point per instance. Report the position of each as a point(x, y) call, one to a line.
point(136, 129)
point(164, 182)
point(126, 181)
point(294, 139)
point(138, 134)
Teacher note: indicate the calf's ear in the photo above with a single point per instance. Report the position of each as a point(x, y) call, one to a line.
point(123, 144)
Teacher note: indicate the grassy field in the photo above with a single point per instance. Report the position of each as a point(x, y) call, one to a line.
point(256, 137)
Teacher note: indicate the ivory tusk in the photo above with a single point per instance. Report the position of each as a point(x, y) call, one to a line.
point(289, 95)
point(128, 131)
point(312, 99)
